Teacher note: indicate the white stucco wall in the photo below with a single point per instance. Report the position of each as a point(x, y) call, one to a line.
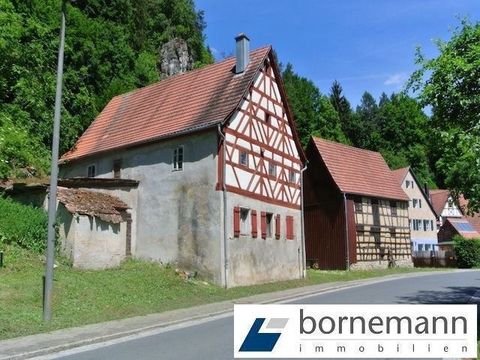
point(420, 237)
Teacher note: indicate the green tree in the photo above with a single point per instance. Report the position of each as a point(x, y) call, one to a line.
point(450, 85)
point(314, 114)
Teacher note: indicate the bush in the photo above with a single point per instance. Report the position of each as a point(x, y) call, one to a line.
point(23, 225)
point(467, 251)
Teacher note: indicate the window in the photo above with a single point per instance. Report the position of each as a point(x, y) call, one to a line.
point(431, 225)
point(393, 233)
point(272, 169)
point(269, 220)
point(407, 184)
point(412, 183)
point(178, 159)
point(358, 205)
point(117, 167)
point(426, 225)
point(244, 223)
point(292, 176)
point(91, 171)
point(267, 118)
point(420, 203)
point(360, 228)
point(243, 158)
point(427, 247)
point(414, 203)
point(393, 208)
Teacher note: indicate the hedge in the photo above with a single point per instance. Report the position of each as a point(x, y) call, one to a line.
point(23, 225)
point(467, 252)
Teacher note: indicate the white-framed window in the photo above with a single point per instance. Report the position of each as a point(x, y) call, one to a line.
point(420, 203)
point(243, 158)
point(292, 176)
point(177, 161)
point(244, 221)
point(272, 169)
point(414, 203)
point(269, 220)
point(426, 225)
point(407, 183)
point(91, 171)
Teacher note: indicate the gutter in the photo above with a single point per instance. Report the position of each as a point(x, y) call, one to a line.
point(347, 261)
point(302, 215)
point(223, 245)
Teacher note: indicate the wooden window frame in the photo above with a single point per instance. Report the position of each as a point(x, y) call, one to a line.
point(243, 158)
point(178, 158)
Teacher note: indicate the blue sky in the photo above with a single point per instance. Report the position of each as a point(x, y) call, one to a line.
point(365, 44)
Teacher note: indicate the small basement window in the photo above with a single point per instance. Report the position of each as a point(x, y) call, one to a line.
point(178, 158)
point(243, 158)
point(91, 171)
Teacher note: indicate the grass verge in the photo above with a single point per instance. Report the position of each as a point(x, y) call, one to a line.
point(135, 288)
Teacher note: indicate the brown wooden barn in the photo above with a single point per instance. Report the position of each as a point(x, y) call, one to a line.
point(356, 214)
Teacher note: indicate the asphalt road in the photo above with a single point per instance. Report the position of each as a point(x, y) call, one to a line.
point(213, 339)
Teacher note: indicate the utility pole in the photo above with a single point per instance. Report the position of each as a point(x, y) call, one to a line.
point(52, 200)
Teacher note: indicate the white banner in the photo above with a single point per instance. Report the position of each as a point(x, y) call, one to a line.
point(356, 331)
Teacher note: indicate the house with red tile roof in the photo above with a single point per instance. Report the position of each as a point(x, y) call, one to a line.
point(422, 216)
point(356, 213)
point(218, 164)
point(444, 205)
point(473, 218)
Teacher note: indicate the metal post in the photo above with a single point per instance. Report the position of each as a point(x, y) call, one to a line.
point(52, 200)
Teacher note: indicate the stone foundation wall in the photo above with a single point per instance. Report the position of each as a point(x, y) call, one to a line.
point(383, 264)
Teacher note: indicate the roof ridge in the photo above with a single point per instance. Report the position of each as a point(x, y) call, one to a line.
point(315, 138)
point(189, 72)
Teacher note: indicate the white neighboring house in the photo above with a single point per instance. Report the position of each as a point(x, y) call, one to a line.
point(445, 206)
point(422, 215)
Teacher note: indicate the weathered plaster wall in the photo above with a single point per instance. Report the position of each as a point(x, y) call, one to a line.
point(256, 260)
point(178, 212)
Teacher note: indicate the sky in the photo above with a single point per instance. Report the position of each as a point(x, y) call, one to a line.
point(364, 44)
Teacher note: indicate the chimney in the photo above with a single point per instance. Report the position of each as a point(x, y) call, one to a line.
point(243, 52)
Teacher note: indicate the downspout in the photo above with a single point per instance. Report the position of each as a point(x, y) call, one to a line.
point(304, 262)
point(346, 231)
point(223, 252)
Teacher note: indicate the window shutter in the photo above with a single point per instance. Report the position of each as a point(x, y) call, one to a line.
point(263, 224)
point(290, 227)
point(236, 221)
point(254, 223)
point(277, 226)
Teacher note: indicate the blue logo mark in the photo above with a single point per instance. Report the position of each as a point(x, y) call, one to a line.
point(257, 341)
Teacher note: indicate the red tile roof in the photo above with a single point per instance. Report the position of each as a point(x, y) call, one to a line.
point(182, 103)
point(358, 171)
point(474, 218)
point(463, 227)
point(439, 199)
point(400, 174)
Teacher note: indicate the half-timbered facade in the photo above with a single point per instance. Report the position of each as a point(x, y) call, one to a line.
point(356, 214)
point(218, 163)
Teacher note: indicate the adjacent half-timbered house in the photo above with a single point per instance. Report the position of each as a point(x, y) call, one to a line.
point(218, 162)
point(356, 214)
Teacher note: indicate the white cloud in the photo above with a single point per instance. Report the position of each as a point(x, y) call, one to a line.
point(396, 79)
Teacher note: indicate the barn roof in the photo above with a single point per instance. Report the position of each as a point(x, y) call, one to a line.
point(474, 218)
point(463, 227)
point(359, 171)
point(92, 203)
point(439, 198)
point(183, 103)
